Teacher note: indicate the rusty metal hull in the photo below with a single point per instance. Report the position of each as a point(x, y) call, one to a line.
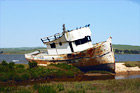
point(99, 57)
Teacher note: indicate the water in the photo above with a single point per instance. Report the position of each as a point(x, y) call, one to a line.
point(127, 57)
point(18, 59)
point(127, 76)
point(21, 58)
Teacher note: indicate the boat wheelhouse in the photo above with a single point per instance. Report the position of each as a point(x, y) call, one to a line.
point(69, 41)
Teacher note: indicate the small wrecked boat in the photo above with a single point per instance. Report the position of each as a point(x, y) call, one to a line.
point(75, 47)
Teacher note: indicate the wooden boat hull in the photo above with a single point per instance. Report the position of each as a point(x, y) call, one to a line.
point(99, 57)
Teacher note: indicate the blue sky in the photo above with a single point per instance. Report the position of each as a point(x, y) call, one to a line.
point(24, 22)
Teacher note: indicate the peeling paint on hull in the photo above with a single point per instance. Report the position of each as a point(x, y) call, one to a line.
point(100, 56)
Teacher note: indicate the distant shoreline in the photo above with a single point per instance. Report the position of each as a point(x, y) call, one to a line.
point(118, 49)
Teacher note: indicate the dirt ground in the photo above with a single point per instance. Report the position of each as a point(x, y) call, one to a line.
point(121, 68)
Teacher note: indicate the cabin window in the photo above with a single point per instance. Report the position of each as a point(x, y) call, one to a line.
point(88, 37)
point(111, 47)
point(77, 42)
point(60, 43)
point(53, 45)
point(82, 41)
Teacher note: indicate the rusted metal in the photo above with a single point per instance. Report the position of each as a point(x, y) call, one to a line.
point(93, 56)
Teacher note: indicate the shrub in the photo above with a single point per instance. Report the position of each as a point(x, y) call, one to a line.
point(20, 66)
point(18, 72)
point(4, 68)
point(44, 88)
point(60, 87)
point(58, 73)
point(4, 63)
point(129, 65)
point(25, 76)
point(4, 78)
point(63, 65)
point(102, 72)
point(11, 65)
point(67, 67)
point(6, 89)
point(32, 64)
point(23, 91)
point(70, 73)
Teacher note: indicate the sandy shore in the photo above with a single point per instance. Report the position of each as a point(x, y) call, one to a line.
point(121, 68)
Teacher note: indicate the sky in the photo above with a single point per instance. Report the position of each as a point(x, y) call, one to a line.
point(24, 22)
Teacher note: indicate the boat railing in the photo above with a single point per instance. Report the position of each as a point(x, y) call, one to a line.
point(51, 38)
point(98, 43)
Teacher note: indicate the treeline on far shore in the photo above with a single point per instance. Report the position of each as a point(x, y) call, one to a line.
point(118, 51)
point(126, 49)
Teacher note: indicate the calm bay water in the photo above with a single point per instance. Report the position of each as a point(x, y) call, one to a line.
point(18, 59)
point(21, 58)
point(127, 76)
point(127, 57)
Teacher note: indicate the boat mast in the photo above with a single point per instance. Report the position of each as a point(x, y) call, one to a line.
point(64, 29)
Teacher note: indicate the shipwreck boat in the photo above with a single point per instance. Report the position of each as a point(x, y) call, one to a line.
point(75, 47)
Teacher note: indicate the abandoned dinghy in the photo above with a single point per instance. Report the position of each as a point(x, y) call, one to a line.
point(75, 47)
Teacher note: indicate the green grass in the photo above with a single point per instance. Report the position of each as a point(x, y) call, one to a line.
point(126, 47)
point(21, 50)
point(98, 86)
point(132, 64)
point(45, 88)
point(20, 73)
point(102, 72)
point(67, 67)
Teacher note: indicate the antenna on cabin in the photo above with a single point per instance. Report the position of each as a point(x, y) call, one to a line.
point(64, 29)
